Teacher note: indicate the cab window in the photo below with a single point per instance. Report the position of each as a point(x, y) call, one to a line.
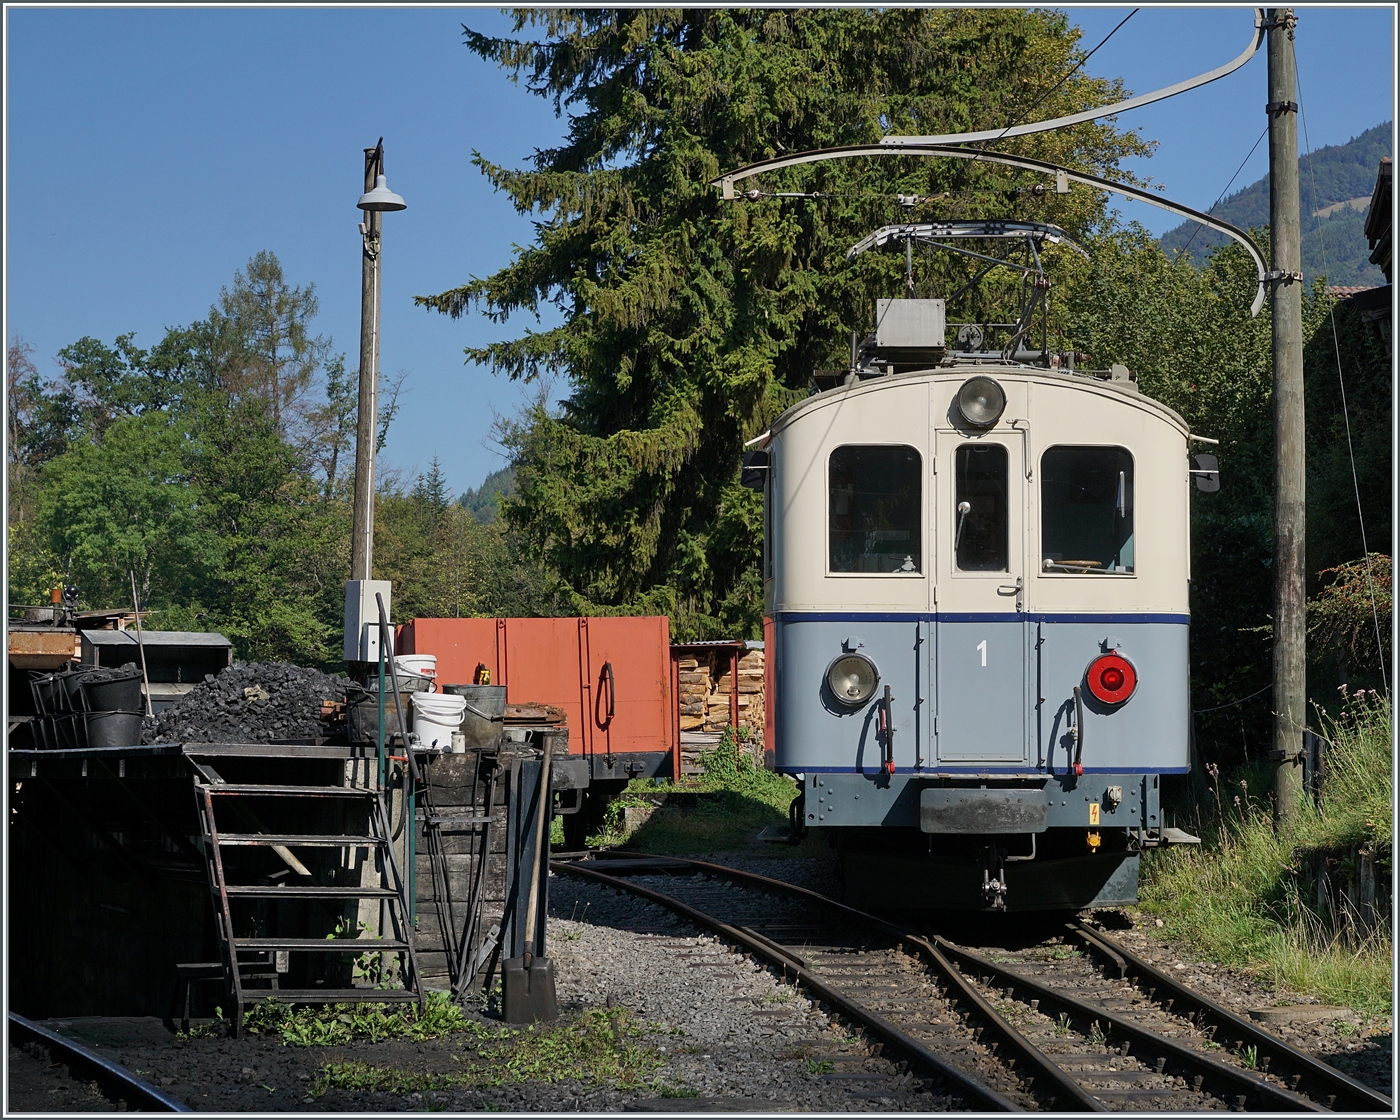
point(1086, 508)
point(875, 503)
point(979, 508)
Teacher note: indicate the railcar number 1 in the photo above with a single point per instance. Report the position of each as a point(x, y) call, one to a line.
point(982, 649)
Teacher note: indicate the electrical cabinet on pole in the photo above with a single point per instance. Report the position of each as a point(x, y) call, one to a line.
point(1290, 618)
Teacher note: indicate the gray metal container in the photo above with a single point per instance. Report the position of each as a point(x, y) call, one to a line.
point(484, 720)
point(362, 715)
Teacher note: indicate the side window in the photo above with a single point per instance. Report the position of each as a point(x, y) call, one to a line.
point(874, 504)
point(1086, 510)
point(979, 508)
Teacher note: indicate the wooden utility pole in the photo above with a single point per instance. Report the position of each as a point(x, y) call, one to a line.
point(366, 433)
point(1290, 618)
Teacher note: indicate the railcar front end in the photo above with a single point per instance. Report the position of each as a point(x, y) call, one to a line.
point(976, 580)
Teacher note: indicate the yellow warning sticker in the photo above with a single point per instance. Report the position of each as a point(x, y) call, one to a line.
point(1093, 812)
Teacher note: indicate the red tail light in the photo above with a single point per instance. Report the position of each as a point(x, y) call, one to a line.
point(1112, 678)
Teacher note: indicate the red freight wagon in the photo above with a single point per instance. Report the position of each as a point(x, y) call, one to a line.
point(611, 675)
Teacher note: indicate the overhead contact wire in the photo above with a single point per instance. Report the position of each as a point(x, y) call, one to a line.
point(1073, 70)
point(1222, 194)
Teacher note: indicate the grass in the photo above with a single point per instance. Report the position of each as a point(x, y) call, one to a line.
point(736, 799)
point(1236, 898)
point(599, 1047)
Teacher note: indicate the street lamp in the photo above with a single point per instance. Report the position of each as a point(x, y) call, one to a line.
point(377, 200)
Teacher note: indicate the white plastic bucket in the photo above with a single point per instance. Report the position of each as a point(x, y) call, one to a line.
point(436, 716)
point(419, 664)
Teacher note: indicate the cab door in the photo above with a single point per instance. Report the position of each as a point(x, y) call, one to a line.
point(980, 643)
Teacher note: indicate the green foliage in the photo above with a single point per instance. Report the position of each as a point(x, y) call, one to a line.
point(1236, 899)
point(337, 1024)
point(595, 1048)
point(1349, 619)
point(733, 800)
point(689, 323)
point(205, 466)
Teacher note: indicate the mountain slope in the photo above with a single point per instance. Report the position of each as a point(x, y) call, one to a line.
point(481, 502)
point(1337, 174)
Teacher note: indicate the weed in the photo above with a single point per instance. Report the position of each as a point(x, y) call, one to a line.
point(817, 1066)
point(1062, 1025)
point(339, 1023)
point(566, 935)
point(1097, 1035)
point(676, 1091)
point(782, 995)
point(1209, 1044)
point(737, 798)
point(1250, 1058)
point(596, 1048)
point(1238, 899)
point(1012, 1011)
point(215, 1028)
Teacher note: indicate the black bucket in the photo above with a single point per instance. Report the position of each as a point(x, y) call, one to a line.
point(47, 692)
point(70, 732)
point(118, 693)
point(113, 729)
point(71, 685)
point(362, 715)
point(484, 720)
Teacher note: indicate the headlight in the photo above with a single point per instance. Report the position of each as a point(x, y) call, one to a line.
point(981, 401)
point(852, 678)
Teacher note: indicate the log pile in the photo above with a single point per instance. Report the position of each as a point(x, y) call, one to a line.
point(705, 689)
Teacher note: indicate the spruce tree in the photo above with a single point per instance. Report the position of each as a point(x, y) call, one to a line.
point(690, 322)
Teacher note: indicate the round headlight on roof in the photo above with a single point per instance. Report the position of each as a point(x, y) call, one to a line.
point(981, 401)
point(852, 678)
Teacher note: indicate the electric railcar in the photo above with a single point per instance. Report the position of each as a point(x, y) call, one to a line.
point(976, 598)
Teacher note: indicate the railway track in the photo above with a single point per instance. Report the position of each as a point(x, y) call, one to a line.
point(115, 1081)
point(1050, 1028)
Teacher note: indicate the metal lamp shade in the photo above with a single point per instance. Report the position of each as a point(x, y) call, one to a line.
point(381, 198)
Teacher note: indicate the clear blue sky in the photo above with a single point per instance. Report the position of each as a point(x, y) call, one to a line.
point(151, 151)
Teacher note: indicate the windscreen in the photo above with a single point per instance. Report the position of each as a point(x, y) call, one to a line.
point(1086, 509)
point(875, 503)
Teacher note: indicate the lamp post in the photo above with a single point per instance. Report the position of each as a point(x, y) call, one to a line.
point(376, 200)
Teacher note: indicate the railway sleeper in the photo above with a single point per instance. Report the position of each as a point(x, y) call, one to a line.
point(1301, 1071)
point(1222, 1081)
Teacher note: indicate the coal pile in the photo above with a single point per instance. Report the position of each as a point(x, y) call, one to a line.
point(100, 676)
point(252, 702)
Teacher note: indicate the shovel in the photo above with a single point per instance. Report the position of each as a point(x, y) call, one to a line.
point(527, 981)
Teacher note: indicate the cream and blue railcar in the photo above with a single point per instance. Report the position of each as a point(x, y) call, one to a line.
point(977, 585)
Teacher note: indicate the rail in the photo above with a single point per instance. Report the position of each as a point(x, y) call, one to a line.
point(117, 1080)
point(956, 966)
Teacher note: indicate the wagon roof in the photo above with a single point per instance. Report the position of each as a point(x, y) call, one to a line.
point(1115, 390)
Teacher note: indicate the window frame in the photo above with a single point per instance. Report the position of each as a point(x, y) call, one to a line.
point(1040, 569)
point(1008, 498)
point(920, 572)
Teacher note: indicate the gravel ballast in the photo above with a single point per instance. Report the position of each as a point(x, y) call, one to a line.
point(723, 1028)
point(249, 702)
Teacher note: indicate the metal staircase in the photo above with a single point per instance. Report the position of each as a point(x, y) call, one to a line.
point(247, 898)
